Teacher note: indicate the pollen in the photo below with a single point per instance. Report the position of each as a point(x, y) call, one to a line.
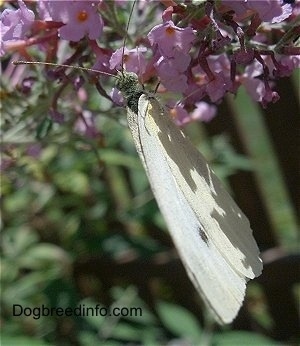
point(170, 31)
point(82, 16)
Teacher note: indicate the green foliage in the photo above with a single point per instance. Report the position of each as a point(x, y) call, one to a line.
point(180, 321)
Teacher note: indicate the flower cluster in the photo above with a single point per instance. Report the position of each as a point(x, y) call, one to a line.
point(200, 50)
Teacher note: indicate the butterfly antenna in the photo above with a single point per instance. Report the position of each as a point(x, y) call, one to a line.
point(20, 62)
point(126, 35)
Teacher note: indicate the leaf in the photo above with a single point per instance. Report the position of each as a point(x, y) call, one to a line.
point(44, 128)
point(115, 157)
point(179, 321)
point(72, 181)
point(46, 256)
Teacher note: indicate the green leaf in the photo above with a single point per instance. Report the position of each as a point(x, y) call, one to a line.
point(119, 158)
point(180, 321)
point(72, 181)
point(46, 256)
point(44, 128)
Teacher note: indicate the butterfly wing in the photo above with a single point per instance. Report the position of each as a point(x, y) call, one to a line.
point(211, 234)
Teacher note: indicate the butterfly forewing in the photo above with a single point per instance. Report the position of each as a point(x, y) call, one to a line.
point(211, 233)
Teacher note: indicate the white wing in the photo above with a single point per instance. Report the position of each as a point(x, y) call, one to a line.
point(212, 235)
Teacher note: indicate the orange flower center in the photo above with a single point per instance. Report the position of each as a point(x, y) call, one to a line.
point(170, 31)
point(82, 16)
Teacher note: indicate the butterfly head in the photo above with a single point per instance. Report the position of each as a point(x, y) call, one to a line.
point(128, 84)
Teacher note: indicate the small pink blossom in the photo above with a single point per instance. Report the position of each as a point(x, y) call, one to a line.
point(179, 114)
point(217, 88)
point(215, 81)
point(288, 65)
point(268, 10)
point(269, 96)
point(253, 70)
point(253, 85)
point(117, 97)
point(171, 71)
point(195, 91)
point(26, 85)
point(204, 112)
point(133, 60)
point(15, 24)
point(170, 38)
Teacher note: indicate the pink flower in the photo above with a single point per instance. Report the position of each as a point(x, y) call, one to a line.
point(217, 88)
point(117, 97)
point(179, 114)
point(133, 60)
point(287, 65)
point(195, 92)
point(253, 85)
point(170, 38)
point(258, 89)
point(269, 96)
point(214, 82)
point(15, 24)
point(268, 10)
point(80, 18)
point(171, 71)
point(204, 112)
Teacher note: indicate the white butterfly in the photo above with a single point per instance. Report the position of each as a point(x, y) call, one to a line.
point(212, 235)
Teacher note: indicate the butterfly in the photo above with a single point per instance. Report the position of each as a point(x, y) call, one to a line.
point(212, 235)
